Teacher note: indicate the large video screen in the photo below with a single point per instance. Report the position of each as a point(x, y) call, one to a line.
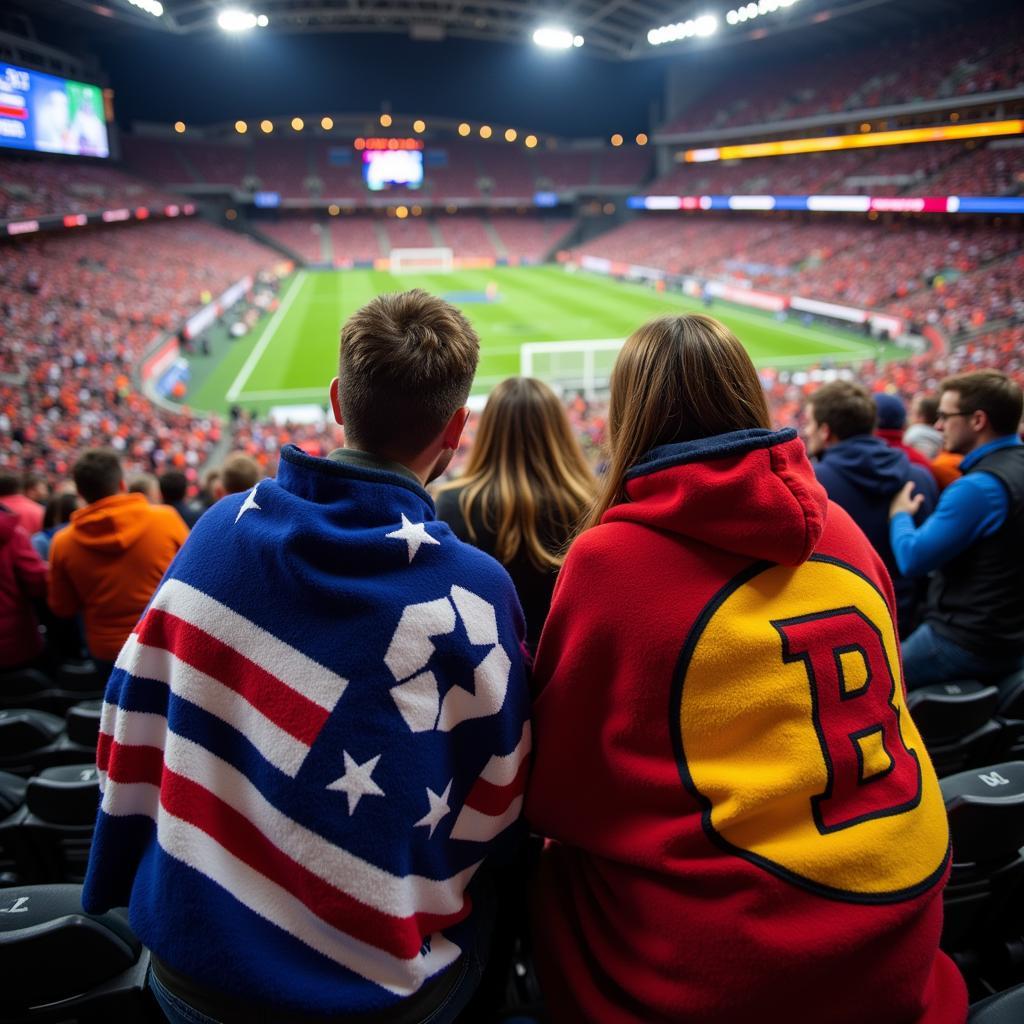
point(50, 114)
point(385, 168)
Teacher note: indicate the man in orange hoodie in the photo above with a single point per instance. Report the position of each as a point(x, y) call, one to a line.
point(108, 562)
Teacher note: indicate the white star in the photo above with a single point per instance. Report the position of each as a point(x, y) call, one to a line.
point(356, 782)
point(438, 809)
point(414, 534)
point(249, 503)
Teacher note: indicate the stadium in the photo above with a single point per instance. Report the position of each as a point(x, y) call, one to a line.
point(196, 196)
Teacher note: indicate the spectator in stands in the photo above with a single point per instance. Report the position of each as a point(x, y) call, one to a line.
point(148, 486)
point(862, 473)
point(695, 866)
point(59, 510)
point(322, 847)
point(22, 581)
point(109, 560)
point(240, 472)
point(921, 435)
point(28, 511)
point(891, 421)
point(523, 491)
point(973, 545)
point(173, 490)
point(35, 488)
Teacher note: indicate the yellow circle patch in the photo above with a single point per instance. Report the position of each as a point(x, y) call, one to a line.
point(794, 734)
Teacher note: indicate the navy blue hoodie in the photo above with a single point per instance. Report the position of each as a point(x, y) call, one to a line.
point(862, 474)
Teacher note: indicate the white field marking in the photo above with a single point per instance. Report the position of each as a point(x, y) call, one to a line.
point(268, 333)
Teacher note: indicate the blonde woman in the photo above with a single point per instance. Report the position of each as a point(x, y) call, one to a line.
point(524, 490)
point(743, 822)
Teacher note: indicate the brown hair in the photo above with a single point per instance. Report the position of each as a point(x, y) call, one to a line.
point(847, 408)
point(992, 392)
point(677, 378)
point(526, 469)
point(97, 474)
point(407, 363)
point(239, 473)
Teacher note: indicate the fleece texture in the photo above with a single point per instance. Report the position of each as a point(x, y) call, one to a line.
point(742, 822)
point(314, 737)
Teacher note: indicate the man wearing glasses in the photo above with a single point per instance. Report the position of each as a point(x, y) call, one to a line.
point(973, 543)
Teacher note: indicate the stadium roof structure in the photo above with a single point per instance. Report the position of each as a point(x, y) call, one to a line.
point(614, 29)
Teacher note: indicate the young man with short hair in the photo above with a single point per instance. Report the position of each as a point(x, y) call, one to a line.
point(318, 733)
point(109, 560)
point(12, 495)
point(973, 544)
point(861, 472)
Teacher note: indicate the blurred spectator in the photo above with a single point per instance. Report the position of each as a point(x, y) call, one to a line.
point(921, 435)
point(240, 472)
point(862, 473)
point(147, 485)
point(22, 580)
point(973, 545)
point(173, 489)
point(29, 512)
point(108, 562)
point(892, 419)
point(59, 510)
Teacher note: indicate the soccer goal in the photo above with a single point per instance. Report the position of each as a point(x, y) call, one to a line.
point(430, 261)
point(571, 365)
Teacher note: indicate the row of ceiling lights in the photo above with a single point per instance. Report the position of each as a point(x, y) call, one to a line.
point(465, 129)
point(705, 25)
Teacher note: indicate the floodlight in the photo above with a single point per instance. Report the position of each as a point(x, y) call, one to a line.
point(555, 38)
point(705, 25)
point(153, 7)
point(234, 20)
point(262, 21)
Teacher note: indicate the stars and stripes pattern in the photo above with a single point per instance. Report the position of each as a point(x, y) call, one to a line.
point(228, 751)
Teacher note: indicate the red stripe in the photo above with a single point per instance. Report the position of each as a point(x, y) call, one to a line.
point(17, 112)
point(128, 764)
point(399, 936)
point(487, 798)
point(103, 745)
point(295, 713)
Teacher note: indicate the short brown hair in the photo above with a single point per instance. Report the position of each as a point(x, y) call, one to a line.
point(97, 474)
point(847, 408)
point(407, 363)
point(239, 473)
point(991, 391)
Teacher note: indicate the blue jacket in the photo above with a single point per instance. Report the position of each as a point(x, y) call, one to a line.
point(863, 474)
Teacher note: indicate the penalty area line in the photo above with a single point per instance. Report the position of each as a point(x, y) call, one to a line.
point(268, 333)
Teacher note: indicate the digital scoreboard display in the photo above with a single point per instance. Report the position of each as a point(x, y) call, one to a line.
point(391, 163)
point(51, 115)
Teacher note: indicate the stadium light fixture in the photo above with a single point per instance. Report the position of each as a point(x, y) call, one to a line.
point(385, 120)
point(241, 127)
point(419, 126)
point(232, 19)
point(298, 124)
point(464, 129)
point(530, 141)
point(485, 131)
point(551, 38)
point(511, 135)
point(266, 126)
point(616, 139)
point(327, 123)
point(153, 7)
point(702, 26)
point(641, 139)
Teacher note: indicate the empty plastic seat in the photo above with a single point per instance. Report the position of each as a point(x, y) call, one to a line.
point(1002, 1008)
point(956, 722)
point(63, 964)
point(24, 735)
point(83, 723)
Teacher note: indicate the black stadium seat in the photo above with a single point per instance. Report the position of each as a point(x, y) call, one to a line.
point(1002, 1008)
point(82, 723)
point(61, 964)
point(956, 722)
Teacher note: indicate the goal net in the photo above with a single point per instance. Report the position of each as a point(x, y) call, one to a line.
point(437, 260)
point(584, 366)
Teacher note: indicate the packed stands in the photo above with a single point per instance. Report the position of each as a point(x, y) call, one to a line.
point(467, 236)
point(78, 313)
point(508, 169)
point(302, 237)
point(563, 169)
point(621, 168)
point(354, 239)
point(529, 238)
point(949, 60)
point(282, 166)
point(38, 188)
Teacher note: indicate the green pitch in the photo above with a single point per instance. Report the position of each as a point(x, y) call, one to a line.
point(290, 358)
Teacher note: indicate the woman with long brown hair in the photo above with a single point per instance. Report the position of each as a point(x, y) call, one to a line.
point(524, 490)
point(742, 821)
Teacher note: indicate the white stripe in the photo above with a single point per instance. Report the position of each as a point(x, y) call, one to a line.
point(280, 748)
point(475, 827)
point(376, 888)
point(198, 850)
point(268, 333)
point(287, 663)
point(121, 799)
point(502, 770)
point(135, 728)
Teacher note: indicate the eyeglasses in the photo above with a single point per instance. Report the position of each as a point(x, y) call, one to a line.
point(941, 417)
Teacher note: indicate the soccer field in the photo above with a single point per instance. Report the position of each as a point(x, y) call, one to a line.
point(291, 357)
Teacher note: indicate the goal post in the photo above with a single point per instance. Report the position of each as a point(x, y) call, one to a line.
point(439, 260)
point(571, 365)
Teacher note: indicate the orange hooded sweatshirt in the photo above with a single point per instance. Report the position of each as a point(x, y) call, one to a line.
point(107, 564)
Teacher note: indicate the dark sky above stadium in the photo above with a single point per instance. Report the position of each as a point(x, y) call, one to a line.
point(217, 77)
